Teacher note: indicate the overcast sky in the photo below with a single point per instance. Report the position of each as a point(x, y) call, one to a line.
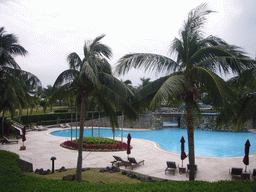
point(51, 29)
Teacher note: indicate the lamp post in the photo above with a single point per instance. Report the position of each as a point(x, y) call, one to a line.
point(53, 159)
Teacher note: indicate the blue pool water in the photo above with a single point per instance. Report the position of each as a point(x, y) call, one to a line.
point(207, 143)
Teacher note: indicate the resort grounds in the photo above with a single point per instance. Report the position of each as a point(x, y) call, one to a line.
point(41, 146)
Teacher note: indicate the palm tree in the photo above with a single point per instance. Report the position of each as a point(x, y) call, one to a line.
point(196, 60)
point(245, 86)
point(145, 81)
point(9, 47)
point(92, 77)
point(15, 83)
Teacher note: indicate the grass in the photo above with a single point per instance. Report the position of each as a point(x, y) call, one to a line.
point(37, 111)
point(13, 179)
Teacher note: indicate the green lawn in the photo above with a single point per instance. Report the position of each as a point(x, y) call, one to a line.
point(13, 179)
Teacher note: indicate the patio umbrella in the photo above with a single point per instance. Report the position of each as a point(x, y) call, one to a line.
point(8, 130)
point(246, 153)
point(24, 134)
point(183, 154)
point(129, 144)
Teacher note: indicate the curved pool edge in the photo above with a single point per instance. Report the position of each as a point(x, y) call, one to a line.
point(156, 145)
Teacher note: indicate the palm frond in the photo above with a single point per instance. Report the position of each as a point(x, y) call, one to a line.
point(221, 92)
point(148, 62)
point(66, 76)
point(161, 89)
point(222, 58)
point(87, 72)
point(74, 61)
point(196, 18)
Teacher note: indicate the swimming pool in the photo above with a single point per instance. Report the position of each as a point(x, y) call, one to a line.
point(207, 143)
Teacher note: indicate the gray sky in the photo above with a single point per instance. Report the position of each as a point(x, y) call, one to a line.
point(51, 29)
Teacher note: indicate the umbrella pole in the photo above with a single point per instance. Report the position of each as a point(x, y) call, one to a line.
point(182, 163)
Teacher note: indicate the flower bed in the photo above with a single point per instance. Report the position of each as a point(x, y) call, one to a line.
point(106, 146)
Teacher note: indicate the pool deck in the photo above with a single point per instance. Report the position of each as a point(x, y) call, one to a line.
point(41, 146)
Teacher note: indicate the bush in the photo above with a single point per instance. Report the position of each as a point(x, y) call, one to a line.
point(92, 143)
point(61, 111)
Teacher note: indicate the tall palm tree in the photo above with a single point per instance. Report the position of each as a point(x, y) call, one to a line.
point(92, 77)
point(196, 60)
point(15, 83)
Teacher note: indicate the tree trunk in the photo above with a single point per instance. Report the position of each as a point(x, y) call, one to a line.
point(92, 121)
point(190, 130)
point(80, 143)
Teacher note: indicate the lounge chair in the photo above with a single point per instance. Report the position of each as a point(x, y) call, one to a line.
point(133, 162)
point(6, 140)
point(235, 172)
point(119, 161)
point(40, 128)
point(171, 166)
point(66, 125)
point(254, 174)
point(188, 170)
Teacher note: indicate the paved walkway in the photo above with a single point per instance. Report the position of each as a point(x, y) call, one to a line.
point(41, 146)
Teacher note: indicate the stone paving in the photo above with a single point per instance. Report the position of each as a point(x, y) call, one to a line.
point(41, 146)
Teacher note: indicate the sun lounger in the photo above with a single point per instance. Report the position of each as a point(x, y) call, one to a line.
point(133, 162)
point(40, 128)
point(6, 140)
point(236, 172)
point(171, 166)
point(188, 170)
point(119, 161)
point(66, 125)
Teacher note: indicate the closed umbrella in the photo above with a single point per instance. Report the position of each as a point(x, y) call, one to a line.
point(246, 153)
point(183, 154)
point(8, 130)
point(24, 134)
point(129, 144)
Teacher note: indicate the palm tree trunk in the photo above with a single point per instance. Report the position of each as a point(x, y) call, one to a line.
point(190, 130)
point(80, 142)
point(92, 120)
point(76, 123)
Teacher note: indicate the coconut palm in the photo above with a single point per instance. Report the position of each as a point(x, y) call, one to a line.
point(197, 58)
point(245, 85)
point(9, 47)
point(92, 77)
point(15, 83)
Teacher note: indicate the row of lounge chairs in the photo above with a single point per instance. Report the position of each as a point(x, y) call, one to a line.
point(238, 173)
point(127, 162)
point(172, 167)
point(39, 128)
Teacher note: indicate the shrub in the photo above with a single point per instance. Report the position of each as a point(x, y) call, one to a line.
point(61, 111)
point(92, 143)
